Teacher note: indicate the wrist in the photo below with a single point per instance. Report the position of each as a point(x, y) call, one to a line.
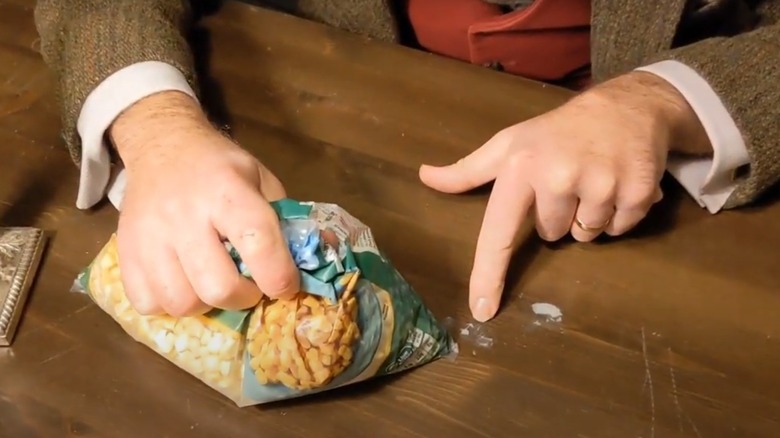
point(149, 123)
point(686, 133)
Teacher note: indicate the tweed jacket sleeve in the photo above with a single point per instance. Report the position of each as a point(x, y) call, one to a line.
point(85, 41)
point(743, 68)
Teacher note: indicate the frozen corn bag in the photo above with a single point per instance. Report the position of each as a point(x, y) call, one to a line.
point(355, 317)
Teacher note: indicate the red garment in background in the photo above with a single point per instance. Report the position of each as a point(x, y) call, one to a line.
point(547, 41)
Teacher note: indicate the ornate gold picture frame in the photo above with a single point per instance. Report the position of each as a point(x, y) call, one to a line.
point(20, 255)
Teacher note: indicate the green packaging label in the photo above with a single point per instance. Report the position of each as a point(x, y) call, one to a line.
point(356, 317)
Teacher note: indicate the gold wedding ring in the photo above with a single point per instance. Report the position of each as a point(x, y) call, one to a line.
point(588, 228)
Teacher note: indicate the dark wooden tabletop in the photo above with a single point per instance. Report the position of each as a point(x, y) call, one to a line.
point(672, 330)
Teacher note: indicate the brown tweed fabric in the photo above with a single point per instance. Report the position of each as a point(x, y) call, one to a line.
point(85, 41)
point(733, 44)
point(744, 69)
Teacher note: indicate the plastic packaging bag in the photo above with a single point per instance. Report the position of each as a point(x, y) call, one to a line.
point(356, 318)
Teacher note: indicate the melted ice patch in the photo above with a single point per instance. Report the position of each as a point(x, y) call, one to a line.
point(550, 311)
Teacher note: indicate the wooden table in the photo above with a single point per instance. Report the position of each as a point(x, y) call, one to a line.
point(673, 330)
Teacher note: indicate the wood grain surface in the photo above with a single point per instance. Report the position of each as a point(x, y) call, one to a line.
point(670, 331)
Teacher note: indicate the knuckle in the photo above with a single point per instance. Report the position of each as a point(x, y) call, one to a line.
point(583, 236)
point(505, 136)
point(229, 190)
point(562, 179)
point(627, 220)
point(517, 162)
point(278, 285)
point(621, 230)
point(603, 189)
point(547, 238)
point(638, 196)
point(142, 305)
point(550, 234)
point(216, 290)
point(145, 310)
point(181, 304)
point(135, 292)
point(169, 293)
point(259, 242)
point(175, 301)
point(171, 208)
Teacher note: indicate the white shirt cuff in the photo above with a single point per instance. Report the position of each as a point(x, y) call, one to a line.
point(709, 180)
point(101, 107)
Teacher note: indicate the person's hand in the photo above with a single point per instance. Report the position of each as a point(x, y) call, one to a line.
point(189, 188)
point(591, 166)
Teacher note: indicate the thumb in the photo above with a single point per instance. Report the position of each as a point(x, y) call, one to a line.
point(471, 171)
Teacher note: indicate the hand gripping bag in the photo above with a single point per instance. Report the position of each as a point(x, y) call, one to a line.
point(356, 317)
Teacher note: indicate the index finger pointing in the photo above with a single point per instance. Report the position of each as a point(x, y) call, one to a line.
point(510, 201)
point(254, 230)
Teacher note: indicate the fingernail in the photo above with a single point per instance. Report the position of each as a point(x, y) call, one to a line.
point(482, 310)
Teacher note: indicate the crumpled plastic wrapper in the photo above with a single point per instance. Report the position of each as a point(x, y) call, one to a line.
point(355, 318)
